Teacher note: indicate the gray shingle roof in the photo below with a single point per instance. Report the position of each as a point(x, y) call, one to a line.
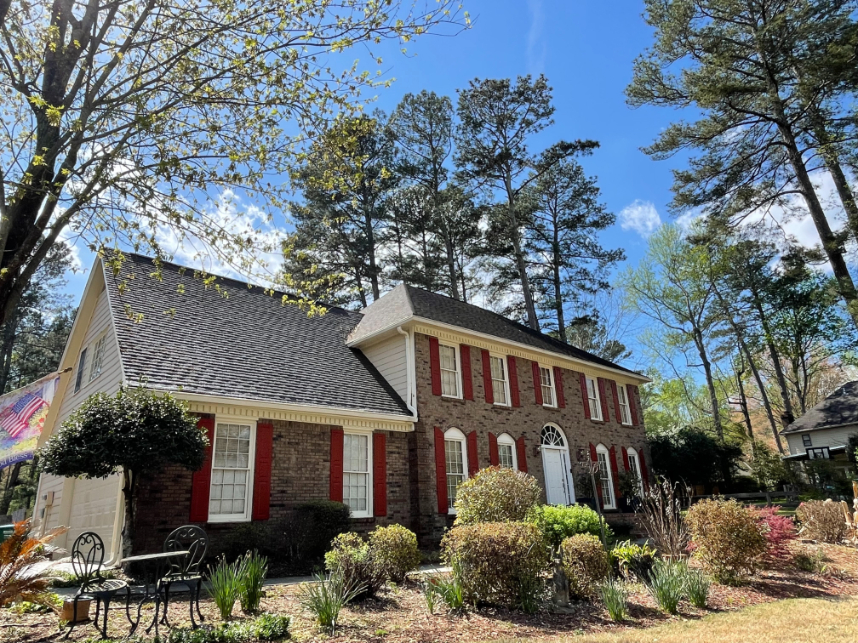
point(839, 408)
point(406, 301)
point(246, 345)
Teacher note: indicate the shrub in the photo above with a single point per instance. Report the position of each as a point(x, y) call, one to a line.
point(225, 587)
point(667, 584)
point(307, 534)
point(326, 597)
point(613, 595)
point(557, 522)
point(496, 494)
point(807, 561)
point(394, 550)
point(450, 587)
point(22, 576)
point(351, 555)
point(696, 587)
point(634, 561)
point(498, 563)
point(252, 569)
point(726, 538)
point(821, 520)
point(249, 536)
point(267, 627)
point(778, 532)
point(585, 563)
point(661, 511)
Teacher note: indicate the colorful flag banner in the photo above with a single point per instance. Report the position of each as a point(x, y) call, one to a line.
point(22, 416)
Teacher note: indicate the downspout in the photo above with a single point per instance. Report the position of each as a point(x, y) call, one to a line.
point(410, 380)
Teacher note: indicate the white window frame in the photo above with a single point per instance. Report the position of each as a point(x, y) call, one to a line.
point(96, 360)
point(454, 435)
point(81, 365)
point(505, 368)
point(458, 363)
point(251, 472)
point(506, 439)
point(594, 401)
point(625, 405)
point(368, 512)
point(552, 387)
point(635, 466)
point(601, 449)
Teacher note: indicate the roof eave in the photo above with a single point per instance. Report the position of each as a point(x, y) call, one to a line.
point(790, 430)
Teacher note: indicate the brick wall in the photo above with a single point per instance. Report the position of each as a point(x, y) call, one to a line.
point(300, 472)
point(526, 420)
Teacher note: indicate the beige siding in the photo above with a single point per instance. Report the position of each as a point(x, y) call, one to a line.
point(822, 438)
point(389, 357)
point(50, 483)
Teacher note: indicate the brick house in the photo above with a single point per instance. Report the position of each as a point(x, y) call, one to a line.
point(386, 409)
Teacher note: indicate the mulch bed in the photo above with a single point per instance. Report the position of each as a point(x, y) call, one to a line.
point(399, 614)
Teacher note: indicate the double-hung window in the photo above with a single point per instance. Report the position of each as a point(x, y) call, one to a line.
point(506, 452)
point(232, 471)
point(593, 399)
point(625, 409)
point(605, 480)
point(805, 439)
point(635, 467)
point(450, 376)
point(500, 380)
point(357, 464)
point(81, 366)
point(456, 460)
point(97, 357)
point(546, 381)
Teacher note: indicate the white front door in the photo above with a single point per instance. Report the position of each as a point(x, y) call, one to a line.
point(557, 489)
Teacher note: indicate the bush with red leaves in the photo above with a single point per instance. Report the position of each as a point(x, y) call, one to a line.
point(778, 531)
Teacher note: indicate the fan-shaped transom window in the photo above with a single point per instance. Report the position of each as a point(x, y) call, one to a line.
point(552, 437)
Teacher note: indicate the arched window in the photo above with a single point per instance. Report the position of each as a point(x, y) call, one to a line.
point(635, 467)
point(606, 480)
point(507, 456)
point(552, 436)
point(456, 459)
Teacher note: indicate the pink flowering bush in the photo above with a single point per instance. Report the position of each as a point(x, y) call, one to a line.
point(777, 530)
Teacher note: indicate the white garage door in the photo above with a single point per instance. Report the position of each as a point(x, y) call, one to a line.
point(94, 509)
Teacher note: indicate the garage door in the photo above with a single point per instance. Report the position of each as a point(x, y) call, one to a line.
point(94, 509)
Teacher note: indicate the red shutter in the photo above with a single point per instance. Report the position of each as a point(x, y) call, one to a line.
point(262, 471)
point(473, 459)
point(513, 381)
point(537, 383)
point(558, 384)
point(617, 412)
point(467, 380)
point(625, 459)
point(633, 403)
point(379, 474)
point(593, 456)
point(202, 479)
point(522, 454)
point(435, 365)
point(487, 378)
point(644, 472)
point(583, 379)
point(603, 398)
point(336, 491)
point(615, 473)
point(441, 472)
point(493, 450)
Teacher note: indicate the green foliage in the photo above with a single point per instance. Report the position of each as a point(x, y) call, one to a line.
point(821, 520)
point(394, 551)
point(558, 522)
point(430, 592)
point(251, 570)
point(812, 562)
point(585, 563)
point(353, 557)
point(726, 538)
point(696, 588)
point(266, 627)
point(47, 602)
point(614, 596)
point(500, 563)
point(259, 536)
point(828, 478)
point(450, 587)
point(667, 584)
point(634, 561)
point(326, 597)
point(767, 467)
point(271, 627)
point(694, 456)
point(137, 430)
point(308, 534)
point(225, 587)
point(496, 494)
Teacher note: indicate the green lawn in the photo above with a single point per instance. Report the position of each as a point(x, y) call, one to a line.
point(807, 620)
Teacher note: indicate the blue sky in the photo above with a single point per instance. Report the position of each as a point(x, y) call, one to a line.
point(586, 49)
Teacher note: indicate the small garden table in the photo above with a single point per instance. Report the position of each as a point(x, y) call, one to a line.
point(152, 568)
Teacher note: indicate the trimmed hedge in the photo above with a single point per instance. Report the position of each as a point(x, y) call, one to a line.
point(821, 520)
point(726, 538)
point(558, 522)
point(585, 563)
point(497, 494)
point(394, 551)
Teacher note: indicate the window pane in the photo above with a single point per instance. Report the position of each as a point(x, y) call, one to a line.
point(230, 470)
point(356, 471)
point(605, 480)
point(455, 468)
point(497, 368)
point(449, 383)
point(505, 455)
point(448, 357)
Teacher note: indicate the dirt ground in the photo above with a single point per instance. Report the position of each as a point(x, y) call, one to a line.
point(399, 614)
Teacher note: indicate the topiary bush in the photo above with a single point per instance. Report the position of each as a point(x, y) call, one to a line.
point(558, 522)
point(496, 494)
point(585, 563)
point(394, 551)
point(351, 556)
point(498, 563)
point(726, 538)
point(821, 520)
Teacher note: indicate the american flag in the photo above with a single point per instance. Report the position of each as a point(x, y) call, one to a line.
point(17, 417)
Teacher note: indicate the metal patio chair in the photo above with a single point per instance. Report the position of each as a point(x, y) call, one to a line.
point(186, 570)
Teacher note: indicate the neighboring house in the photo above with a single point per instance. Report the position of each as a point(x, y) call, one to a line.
point(387, 409)
point(823, 432)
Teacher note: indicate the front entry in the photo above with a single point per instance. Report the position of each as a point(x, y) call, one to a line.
point(555, 462)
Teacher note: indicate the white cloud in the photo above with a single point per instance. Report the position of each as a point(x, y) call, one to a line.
point(536, 49)
point(640, 216)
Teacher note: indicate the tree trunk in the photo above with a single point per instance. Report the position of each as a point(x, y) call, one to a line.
point(558, 289)
point(129, 482)
point(710, 383)
point(373, 265)
point(521, 264)
point(743, 401)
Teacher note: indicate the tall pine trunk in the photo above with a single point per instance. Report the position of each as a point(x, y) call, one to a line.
point(520, 262)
